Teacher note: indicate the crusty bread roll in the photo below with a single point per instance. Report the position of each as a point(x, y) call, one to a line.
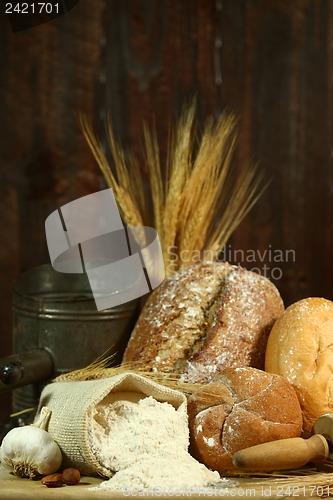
point(243, 407)
point(205, 318)
point(300, 348)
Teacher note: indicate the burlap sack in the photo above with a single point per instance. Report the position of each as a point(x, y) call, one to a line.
point(72, 404)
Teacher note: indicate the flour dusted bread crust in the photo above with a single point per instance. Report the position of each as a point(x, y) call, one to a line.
point(205, 318)
point(300, 348)
point(240, 408)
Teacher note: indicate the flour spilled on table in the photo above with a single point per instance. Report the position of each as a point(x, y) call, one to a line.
point(144, 442)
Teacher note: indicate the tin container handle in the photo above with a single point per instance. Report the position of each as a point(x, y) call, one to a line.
point(25, 368)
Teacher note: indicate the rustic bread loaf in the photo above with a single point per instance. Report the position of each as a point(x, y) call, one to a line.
point(242, 407)
point(300, 348)
point(205, 318)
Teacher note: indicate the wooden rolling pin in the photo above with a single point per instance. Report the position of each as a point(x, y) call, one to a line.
point(291, 453)
point(283, 454)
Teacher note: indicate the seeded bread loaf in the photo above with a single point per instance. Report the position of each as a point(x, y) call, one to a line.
point(240, 408)
point(205, 318)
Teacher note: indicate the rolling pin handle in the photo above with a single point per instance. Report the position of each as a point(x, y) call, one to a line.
point(283, 454)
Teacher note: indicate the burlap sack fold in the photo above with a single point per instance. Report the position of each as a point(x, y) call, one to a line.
point(72, 404)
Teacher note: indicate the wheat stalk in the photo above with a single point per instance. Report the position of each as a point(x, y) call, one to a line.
point(196, 203)
point(178, 171)
point(241, 197)
point(152, 158)
point(122, 187)
point(100, 369)
point(205, 183)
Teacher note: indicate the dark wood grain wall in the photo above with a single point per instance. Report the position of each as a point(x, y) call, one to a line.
point(268, 61)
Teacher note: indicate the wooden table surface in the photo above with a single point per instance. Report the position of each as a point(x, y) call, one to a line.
point(14, 488)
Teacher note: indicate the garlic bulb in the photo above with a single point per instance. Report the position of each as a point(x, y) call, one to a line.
point(30, 451)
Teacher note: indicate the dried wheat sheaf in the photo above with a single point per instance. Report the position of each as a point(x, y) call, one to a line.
point(196, 199)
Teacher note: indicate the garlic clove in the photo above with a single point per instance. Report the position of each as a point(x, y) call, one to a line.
point(44, 417)
point(30, 451)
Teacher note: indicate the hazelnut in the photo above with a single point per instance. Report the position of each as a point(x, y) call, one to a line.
point(53, 480)
point(71, 476)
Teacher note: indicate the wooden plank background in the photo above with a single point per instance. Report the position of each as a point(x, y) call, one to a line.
point(269, 62)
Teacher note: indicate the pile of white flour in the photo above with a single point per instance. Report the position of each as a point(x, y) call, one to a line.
point(145, 443)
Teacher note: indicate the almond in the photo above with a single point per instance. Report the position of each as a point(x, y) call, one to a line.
point(53, 480)
point(71, 476)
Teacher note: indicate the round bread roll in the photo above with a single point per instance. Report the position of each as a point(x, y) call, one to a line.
point(300, 348)
point(206, 317)
point(242, 407)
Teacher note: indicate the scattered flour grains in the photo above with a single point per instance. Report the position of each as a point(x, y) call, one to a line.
point(144, 442)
